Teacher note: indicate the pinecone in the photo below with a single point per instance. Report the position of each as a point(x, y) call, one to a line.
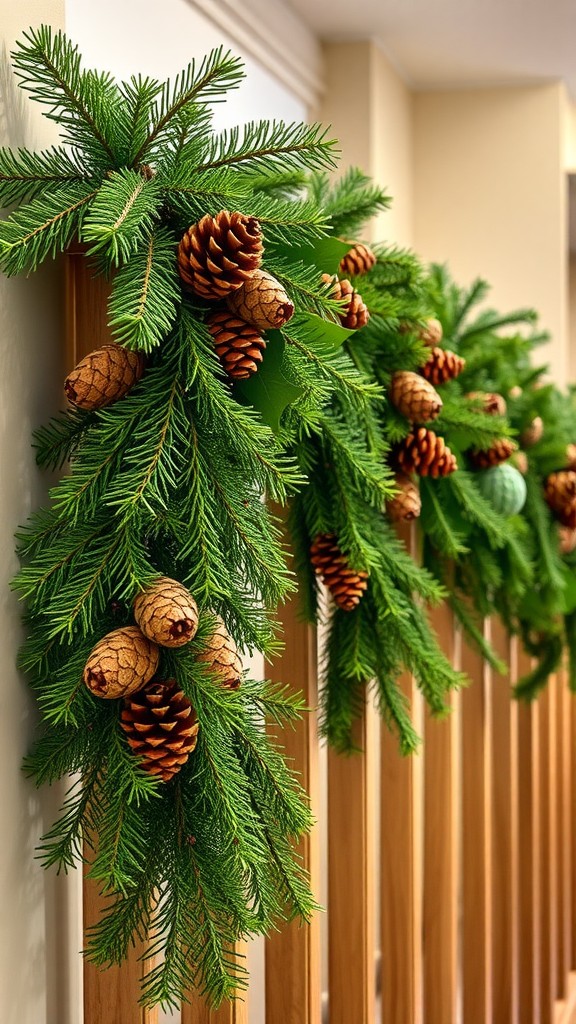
point(405, 505)
point(425, 453)
point(432, 333)
point(344, 583)
point(358, 260)
point(500, 451)
point(442, 365)
point(221, 656)
point(218, 254)
point(239, 346)
point(566, 540)
point(533, 433)
point(261, 302)
point(103, 376)
point(354, 314)
point(515, 392)
point(567, 516)
point(121, 662)
point(519, 460)
point(161, 728)
point(493, 404)
point(167, 613)
point(571, 456)
point(560, 490)
point(414, 397)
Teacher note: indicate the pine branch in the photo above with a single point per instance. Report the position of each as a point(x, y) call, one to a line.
point(43, 227)
point(145, 294)
point(121, 216)
point(264, 145)
point(25, 175)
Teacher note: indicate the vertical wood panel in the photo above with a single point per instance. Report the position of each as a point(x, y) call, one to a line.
point(476, 841)
point(529, 862)
point(564, 810)
point(111, 995)
point(441, 850)
point(402, 820)
point(196, 1011)
point(505, 848)
point(548, 852)
point(293, 982)
point(351, 878)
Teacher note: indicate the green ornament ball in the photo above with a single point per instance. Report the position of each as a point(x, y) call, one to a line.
point(504, 487)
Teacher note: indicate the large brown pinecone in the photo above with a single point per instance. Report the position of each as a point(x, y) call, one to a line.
point(492, 403)
point(414, 397)
point(354, 314)
point(358, 260)
point(405, 505)
point(442, 365)
point(262, 302)
point(103, 376)
point(239, 346)
point(431, 334)
point(221, 656)
point(121, 662)
point(500, 451)
point(560, 490)
point(218, 254)
point(167, 613)
point(344, 583)
point(425, 453)
point(161, 727)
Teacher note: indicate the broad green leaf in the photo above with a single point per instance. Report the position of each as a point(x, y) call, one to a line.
point(323, 333)
point(325, 254)
point(269, 391)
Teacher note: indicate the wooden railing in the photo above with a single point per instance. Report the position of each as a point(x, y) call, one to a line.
point(472, 870)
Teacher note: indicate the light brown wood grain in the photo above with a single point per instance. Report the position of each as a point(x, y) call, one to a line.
point(293, 983)
point(196, 1011)
point(505, 844)
point(351, 878)
point(564, 824)
point(441, 849)
point(401, 839)
point(529, 824)
point(548, 850)
point(476, 839)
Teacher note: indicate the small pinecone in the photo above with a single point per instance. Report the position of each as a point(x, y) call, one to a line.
point(519, 460)
point(405, 505)
point(414, 397)
point(567, 517)
point(122, 662)
point(560, 490)
point(442, 365)
point(354, 314)
point(161, 728)
point(492, 404)
point(571, 456)
point(344, 583)
point(358, 260)
point(425, 453)
point(221, 656)
point(262, 302)
point(218, 254)
point(103, 376)
point(515, 392)
point(239, 346)
point(432, 333)
point(533, 433)
point(167, 613)
point(500, 451)
point(566, 540)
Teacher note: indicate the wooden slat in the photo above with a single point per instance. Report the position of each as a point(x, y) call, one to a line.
point(293, 982)
point(402, 821)
point(548, 850)
point(505, 846)
point(564, 822)
point(441, 861)
point(195, 1011)
point(476, 840)
point(351, 878)
point(529, 861)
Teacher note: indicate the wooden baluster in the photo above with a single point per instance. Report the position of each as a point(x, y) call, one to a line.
point(196, 1011)
point(351, 878)
point(564, 824)
point(441, 849)
point(293, 979)
point(476, 840)
point(505, 847)
point(529, 824)
point(548, 854)
point(402, 823)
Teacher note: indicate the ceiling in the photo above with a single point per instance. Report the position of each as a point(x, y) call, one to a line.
point(449, 43)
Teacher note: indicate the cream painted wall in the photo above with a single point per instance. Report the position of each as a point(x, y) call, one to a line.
point(38, 930)
point(490, 197)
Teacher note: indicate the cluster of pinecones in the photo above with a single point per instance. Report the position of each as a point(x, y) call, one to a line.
point(159, 722)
